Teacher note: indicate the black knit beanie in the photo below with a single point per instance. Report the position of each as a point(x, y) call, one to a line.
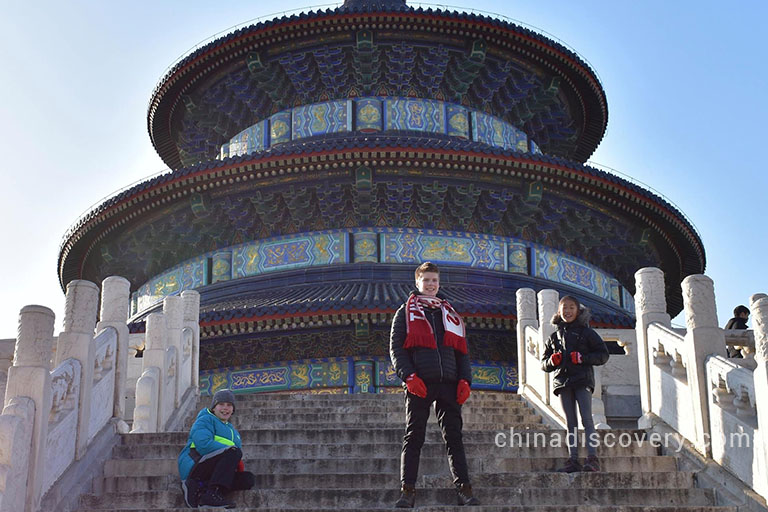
point(223, 395)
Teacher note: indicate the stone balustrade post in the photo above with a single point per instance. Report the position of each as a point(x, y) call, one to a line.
point(155, 357)
point(15, 451)
point(547, 302)
point(526, 317)
point(173, 310)
point(650, 307)
point(147, 394)
point(192, 322)
point(76, 341)
point(759, 313)
point(115, 305)
point(30, 377)
point(703, 339)
point(754, 298)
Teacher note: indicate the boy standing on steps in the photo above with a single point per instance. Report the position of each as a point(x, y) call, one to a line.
point(211, 464)
point(428, 348)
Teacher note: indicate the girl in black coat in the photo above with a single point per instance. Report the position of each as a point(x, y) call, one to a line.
point(571, 352)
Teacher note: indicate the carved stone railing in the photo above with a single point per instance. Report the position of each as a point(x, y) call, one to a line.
point(688, 384)
point(169, 376)
point(60, 450)
point(58, 426)
point(533, 329)
point(742, 340)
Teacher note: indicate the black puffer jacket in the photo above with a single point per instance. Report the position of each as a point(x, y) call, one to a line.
point(443, 364)
point(574, 337)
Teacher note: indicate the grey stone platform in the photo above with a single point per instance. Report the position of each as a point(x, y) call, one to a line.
point(328, 452)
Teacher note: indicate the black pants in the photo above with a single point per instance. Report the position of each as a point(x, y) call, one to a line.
point(448, 417)
point(569, 397)
point(221, 470)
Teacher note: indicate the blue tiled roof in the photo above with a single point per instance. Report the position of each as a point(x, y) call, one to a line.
point(380, 287)
point(363, 7)
point(342, 141)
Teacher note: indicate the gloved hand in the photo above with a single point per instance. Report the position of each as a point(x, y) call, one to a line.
point(556, 358)
point(416, 386)
point(240, 466)
point(576, 358)
point(462, 392)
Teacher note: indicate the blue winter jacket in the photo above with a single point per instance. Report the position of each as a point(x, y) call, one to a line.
point(208, 437)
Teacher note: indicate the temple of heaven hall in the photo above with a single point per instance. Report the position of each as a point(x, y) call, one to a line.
point(317, 159)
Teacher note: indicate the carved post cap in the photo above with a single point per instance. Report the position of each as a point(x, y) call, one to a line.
point(526, 304)
point(699, 301)
point(548, 296)
point(649, 291)
point(173, 309)
point(115, 299)
point(155, 331)
point(547, 305)
point(81, 306)
point(191, 305)
point(759, 309)
point(34, 341)
point(755, 297)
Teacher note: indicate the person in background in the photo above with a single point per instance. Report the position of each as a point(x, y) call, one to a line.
point(739, 321)
point(571, 352)
point(211, 463)
point(428, 348)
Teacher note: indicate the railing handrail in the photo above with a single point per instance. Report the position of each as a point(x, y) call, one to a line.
point(668, 332)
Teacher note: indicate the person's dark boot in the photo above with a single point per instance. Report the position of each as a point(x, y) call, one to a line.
point(213, 497)
point(592, 464)
point(192, 488)
point(407, 497)
point(464, 495)
point(571, 466)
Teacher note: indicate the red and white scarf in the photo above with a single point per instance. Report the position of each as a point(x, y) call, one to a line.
point(419, 331)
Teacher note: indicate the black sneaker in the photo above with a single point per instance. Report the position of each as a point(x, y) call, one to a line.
point(592, 464)
point(407, 497)
point(213, 498)
point(572, 466)
point(191, 488)
point(464, 495)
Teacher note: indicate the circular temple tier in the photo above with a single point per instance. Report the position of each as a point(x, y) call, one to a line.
point(318, 159)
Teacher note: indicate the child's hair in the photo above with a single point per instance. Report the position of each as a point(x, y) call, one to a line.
point(572, 299)
point(582, 317)
point(739, 310)
point(427, 266)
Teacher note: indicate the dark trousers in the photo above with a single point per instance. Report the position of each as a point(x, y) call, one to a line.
point(569, 397)
point(221, 471)
point(448, 417)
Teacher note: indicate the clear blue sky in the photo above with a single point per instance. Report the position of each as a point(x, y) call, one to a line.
point(686, 84)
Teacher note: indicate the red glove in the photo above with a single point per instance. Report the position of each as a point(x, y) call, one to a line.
point(576, 358)
point(556, 358)
point(462, 392)
point(241, 466)
point(416, 386)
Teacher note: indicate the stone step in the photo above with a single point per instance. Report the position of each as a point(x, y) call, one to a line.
point(447, 508)
point(501, 437)
point(323, 449)
point(357, 480)
point(429, 465)
point(477, 395)
point(247, 420)
point(352, 408)
point(354, 499)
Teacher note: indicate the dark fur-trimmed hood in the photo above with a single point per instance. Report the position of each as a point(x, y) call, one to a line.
point(583, 319)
